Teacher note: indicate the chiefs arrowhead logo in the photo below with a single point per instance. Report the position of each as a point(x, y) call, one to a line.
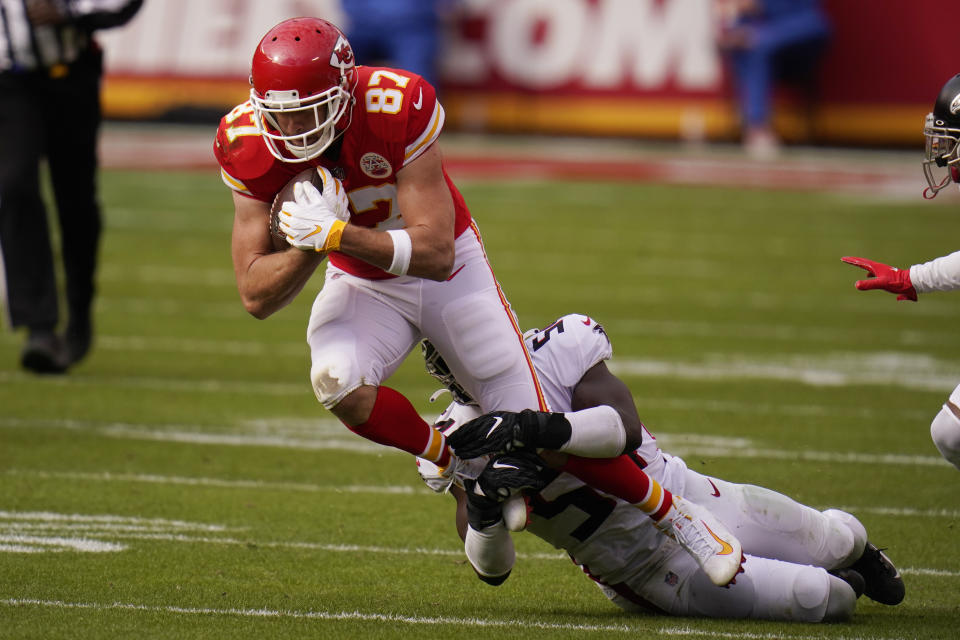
point(342, 56)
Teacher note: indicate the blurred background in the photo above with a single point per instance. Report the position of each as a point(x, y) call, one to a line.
point(640, 69)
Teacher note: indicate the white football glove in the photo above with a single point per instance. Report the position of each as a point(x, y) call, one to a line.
point(311, 221)
point(335, 194)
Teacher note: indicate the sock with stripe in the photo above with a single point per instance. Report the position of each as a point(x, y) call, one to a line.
point(395, 423)
point(623, 478)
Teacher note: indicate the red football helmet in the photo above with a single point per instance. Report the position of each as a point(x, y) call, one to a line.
point(301, 65)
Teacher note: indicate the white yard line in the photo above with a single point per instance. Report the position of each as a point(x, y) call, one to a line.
point(20, 532)
point(640, 630)
point(835, 369)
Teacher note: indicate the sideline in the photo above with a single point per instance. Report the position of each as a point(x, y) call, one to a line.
point(878, 174)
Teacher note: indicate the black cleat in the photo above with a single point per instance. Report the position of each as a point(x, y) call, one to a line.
point(852, 578)
point(507, 431)
point(44, 353)
point(883, 581)
point(77, 341)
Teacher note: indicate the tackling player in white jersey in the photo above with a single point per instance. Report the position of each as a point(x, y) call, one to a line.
point(942, 133)
point(801, 564)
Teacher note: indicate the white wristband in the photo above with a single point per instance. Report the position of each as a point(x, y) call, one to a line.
point(402, 251)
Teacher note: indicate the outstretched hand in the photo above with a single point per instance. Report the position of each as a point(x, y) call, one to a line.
point(885, 277)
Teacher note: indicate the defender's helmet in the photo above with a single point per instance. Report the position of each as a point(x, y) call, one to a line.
point(437, 367)
point(302, 64)
point(942, 133)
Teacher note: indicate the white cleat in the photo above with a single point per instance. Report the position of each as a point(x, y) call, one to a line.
point(714, 548)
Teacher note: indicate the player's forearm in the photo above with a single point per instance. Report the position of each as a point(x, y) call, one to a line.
point(431, 255)
point(271, 281)
point(942, 274)
point(490, 552)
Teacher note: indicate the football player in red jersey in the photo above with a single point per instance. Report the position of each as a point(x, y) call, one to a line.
point(406, 259)
point(941, 167)
point(405, 262)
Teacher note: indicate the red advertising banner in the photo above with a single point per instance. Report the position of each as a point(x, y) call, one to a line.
point(642, 68)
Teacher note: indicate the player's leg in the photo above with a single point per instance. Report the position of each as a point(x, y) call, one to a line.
point(772, 525)
point(469, 321)
point(774, 590)
point(767, 590)
point(356, 342)
point(945, 429)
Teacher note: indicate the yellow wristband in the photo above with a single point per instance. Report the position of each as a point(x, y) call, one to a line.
point(333, 238)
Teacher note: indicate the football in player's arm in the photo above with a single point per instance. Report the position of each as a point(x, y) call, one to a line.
point(941, 167)
point(801, 564)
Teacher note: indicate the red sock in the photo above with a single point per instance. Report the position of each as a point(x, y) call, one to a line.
point(395, 423)
point(622, 477)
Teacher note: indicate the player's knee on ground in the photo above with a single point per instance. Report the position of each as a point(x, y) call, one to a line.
point(773, 590)
point(945, 431)
point(841, 601)
point(844, 549)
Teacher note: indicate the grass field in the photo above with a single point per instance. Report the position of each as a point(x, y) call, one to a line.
point(183, 482)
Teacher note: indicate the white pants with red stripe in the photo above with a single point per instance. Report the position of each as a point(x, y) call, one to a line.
point(361, 330)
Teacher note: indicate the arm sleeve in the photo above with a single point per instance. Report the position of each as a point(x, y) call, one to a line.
point(942, 274)
point(490, 552)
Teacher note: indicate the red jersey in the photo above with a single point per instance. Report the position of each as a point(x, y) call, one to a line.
point(394, 119)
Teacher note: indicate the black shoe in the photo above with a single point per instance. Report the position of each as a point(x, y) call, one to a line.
point(883, 581)
point(506, 431)
point(77, 341)
point(852, 578)
point(44, 353)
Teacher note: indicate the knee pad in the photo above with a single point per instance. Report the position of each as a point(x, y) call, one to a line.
point(333, 374)
point(945, 431)
point(841, 601)
point(846, 539)
point(811, 592)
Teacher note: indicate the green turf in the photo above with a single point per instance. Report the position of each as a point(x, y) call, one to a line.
point(191, 437)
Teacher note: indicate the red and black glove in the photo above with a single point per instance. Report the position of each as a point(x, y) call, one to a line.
point(884, 277)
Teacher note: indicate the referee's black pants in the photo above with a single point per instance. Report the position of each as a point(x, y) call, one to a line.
point(57, 118)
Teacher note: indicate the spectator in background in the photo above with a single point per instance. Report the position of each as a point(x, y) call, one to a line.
point(397, 33)
point(766, 42)
point(50, 69)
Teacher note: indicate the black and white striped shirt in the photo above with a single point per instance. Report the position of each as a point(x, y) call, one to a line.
point(28, 47)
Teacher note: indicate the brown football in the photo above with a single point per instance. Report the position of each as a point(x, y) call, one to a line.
point(285, 194)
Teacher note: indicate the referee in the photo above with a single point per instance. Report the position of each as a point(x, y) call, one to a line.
point(50, 69)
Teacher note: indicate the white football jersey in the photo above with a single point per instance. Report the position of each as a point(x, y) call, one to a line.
point(619, 547)
point(568, 513)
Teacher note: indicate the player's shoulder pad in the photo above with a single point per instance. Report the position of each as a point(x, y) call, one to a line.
point(584, 329)
point(239, 147)
point(400, 105)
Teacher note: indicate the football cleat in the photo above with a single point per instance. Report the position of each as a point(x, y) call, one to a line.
point(507, 431)
point(706, 539)
point(883, 581)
